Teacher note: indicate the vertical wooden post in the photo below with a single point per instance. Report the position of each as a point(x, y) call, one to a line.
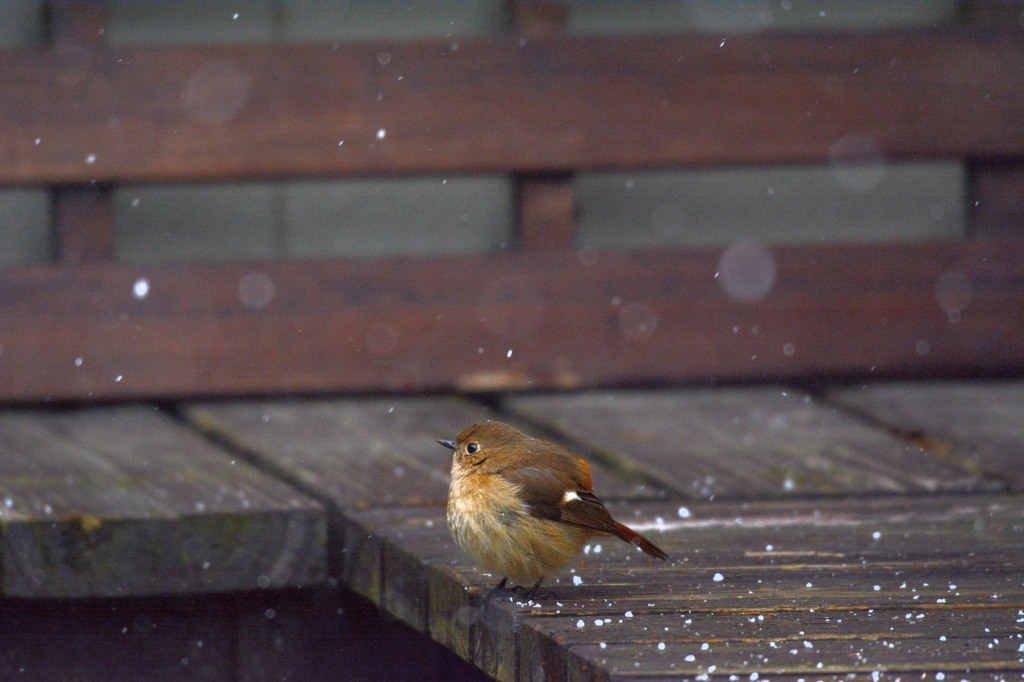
point(83, 223)
point(997, 199)
point(83, 215)
point(545, 203)
point(77, 22)
point(537, 18)
point(1006, 12)
point(546, 211)
point(996, 186)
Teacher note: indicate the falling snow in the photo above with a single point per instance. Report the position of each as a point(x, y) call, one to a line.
point(140, 289)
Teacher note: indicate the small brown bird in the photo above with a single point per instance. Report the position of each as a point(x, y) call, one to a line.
point(523, 507)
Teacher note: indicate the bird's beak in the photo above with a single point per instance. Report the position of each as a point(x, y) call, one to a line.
point(450, 444)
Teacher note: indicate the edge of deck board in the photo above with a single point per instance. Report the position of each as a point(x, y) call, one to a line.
point(412, 554)
point(124, 502)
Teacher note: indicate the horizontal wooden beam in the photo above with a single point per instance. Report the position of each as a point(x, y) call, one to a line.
point(80, 113)
point(508, 321)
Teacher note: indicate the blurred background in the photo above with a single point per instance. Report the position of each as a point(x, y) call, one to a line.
point(869, 199)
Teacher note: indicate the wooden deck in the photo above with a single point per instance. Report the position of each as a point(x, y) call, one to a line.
point(847, 532)
point(817, 530)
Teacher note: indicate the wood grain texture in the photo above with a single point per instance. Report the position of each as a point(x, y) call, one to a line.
point(974, 425)
point(907, 584)
point(352, 453)
point(363, 452)
point(569, 320)
point(743, 442)
point(124, 502)
point(894, 655)
point(516, 104)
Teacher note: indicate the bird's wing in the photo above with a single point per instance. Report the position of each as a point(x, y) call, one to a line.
point(545, 495)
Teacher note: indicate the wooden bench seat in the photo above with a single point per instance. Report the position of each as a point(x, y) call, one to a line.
point(539, 111)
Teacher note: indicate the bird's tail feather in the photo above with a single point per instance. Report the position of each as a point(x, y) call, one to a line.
point(632, 537)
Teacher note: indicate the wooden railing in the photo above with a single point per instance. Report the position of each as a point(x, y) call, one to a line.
point(81, 117)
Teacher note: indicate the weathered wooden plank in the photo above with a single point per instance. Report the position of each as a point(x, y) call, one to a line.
point(955, 559)
point(954, 656)
point(848, 530)
point(976, 426)
point(758, 611)
point(352, 452)
point(650, 589)
point(357, 557)
point(421, 548)
point(357, 454)
point(123, 501)
point(569, 319)
point(529, 105)
point(884, 676)
point(744, 442)
point(812, 625)
point(363, 452)
point(703, 635)
point(453, 614)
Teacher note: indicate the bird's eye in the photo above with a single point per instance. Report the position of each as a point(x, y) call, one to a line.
point(472, 448)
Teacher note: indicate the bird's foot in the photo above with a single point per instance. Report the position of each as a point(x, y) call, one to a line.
point(498, 590)
point(520, 592)
point(535, 593)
